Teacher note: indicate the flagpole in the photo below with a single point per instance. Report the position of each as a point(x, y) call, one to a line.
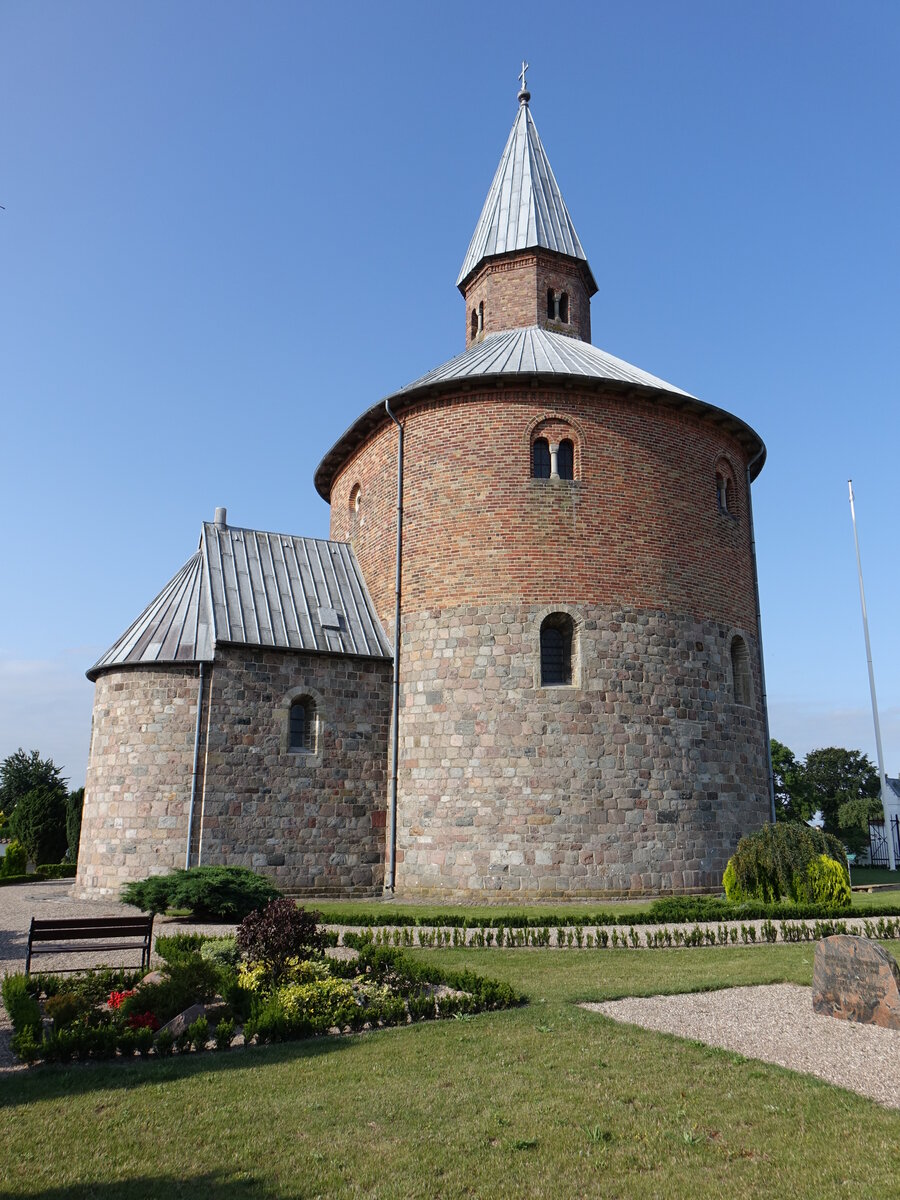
point(862, 600)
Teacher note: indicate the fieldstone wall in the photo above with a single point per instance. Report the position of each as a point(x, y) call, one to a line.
point(641, 777)
point(312, 822)
point(138, 783)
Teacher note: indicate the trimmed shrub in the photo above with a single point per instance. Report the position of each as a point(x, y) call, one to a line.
point(218, 892)
point(178, 947)
point(57, 870)
point(23, 1009)
point(279, 932)
point(782, 860)
point(39, 823)
point(14, 861)
point(221, 951)
point(826, 882)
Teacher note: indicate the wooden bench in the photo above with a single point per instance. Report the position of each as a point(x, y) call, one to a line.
point(88, 935)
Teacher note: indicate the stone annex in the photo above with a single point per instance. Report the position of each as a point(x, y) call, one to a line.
point(581, 705)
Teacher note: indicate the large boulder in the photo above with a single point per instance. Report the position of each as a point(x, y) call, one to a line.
point(855, 979)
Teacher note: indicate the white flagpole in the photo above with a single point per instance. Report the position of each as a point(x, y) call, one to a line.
point(862, 599)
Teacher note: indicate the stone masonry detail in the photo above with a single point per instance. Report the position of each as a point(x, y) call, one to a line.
point(309, 822)
point(138, 778)
point(641, 779)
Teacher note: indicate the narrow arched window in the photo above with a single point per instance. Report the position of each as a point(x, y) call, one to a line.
point(355, 498)
point(551, 307)
point(565, 460)
point(740, 671)
point(540, 459)
point(302, 726)
point(564, 308)
point(481, 317)
point(474, 322)
point(556, 650)
point(724, 499)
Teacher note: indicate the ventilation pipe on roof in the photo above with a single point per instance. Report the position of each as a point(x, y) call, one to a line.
point(762, 670)
point(221, 521)
point(391, 869)
point(190, 832)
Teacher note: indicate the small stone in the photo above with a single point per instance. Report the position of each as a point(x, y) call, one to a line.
point(150, 978)
point(179, 1025)
point(856, 980)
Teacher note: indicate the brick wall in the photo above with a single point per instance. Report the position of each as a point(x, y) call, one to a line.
point(513, 289)
point(638, 527)
point(643, 776)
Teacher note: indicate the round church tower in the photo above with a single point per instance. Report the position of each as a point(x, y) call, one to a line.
point(581, 696)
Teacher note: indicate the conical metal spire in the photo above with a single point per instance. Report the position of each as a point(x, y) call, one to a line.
point(524, 207)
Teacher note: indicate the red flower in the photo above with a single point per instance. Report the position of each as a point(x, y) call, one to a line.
point(116, 998)
point(143, 1021)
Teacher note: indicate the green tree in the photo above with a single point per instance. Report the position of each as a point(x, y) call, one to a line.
point(793, 799)
point(74, 807)
point(843, 780)
point(39, 823)
point(22, 773)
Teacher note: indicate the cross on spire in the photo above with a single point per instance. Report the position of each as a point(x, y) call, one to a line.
point(524, 94)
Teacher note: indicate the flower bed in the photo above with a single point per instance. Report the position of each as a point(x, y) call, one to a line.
point(272, 982)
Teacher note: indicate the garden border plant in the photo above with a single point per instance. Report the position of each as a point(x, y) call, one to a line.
point(285, 988)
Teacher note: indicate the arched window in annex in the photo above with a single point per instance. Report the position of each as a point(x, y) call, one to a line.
point(302, 725)
point(554, 448)
point(355, 500)
point(557, 660)
point(741, 674)
point(726, 489)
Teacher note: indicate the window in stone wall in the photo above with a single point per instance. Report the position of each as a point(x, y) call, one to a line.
point(540, 459)
point(557, 632)
point(551, 305)
point(564, 308)
point(302, 726)
point(740, 671)
point(565, 459)
point(355, 499)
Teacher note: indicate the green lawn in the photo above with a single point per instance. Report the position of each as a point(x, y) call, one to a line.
point(542, 1101)
point(337, 911)
point(347, 911)
point(874, 875)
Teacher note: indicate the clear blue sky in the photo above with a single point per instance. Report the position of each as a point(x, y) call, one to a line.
point(231, 227)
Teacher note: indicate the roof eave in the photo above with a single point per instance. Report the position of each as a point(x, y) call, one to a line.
point(376, 417)
point(582, 263)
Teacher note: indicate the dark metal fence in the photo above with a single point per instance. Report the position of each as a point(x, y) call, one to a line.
point(878, 843)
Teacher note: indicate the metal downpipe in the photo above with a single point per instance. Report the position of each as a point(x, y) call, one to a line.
point(391, 868)
point(762, 668)
point(190, 831)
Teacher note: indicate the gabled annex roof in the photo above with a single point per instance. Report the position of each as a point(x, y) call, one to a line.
point(524, 207)
point(247, 587)
point(533, 354)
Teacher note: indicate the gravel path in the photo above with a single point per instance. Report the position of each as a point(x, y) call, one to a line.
point(775, 1023)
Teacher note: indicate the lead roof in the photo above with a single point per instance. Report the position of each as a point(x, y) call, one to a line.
point(524, 207)
point(247, 587)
